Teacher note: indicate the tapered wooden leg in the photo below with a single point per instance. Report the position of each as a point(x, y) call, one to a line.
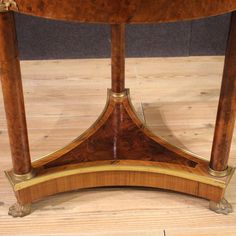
point(227, 107)
point(118, 57)
point(117, 150)
point(13, 97)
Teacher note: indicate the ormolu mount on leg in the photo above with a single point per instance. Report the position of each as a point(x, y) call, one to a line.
point(117, 150)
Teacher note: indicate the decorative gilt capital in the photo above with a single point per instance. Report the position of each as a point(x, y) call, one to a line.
point(7, 5)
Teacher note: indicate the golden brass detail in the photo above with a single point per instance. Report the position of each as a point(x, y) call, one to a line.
point(222, 207)
point(18, 210)
point(119, 95)
point(6, 5)
point(114, 96)
point(24, 177)
point(219, 173)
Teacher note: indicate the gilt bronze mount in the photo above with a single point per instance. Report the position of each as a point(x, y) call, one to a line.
point(118, 149)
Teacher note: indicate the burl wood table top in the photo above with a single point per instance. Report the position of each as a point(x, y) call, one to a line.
point(125, 11)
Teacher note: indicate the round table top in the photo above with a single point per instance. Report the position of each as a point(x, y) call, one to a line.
point(125, 11)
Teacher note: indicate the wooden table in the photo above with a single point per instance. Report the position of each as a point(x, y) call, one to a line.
point(117, 150)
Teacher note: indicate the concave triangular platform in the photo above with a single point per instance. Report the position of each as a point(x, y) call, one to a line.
point(118, 150)
point(119, 135)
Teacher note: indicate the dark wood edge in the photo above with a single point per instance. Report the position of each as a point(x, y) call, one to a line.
point(131, 11)
point(127, 173)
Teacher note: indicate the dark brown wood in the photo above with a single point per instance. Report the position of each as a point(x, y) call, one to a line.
point(118, 150)
point(125, 11)
point(227, 106)
point(118, 57)
point(132, 154)
point(120, 135)
point(13, 95)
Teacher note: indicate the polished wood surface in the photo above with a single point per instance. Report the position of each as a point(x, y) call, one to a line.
point(118, 58)
point(13, 95)
point(227, 106)
point(118, 134)
point(55, 116)
point(125, 11)
point(107, 147)
point(122, 173)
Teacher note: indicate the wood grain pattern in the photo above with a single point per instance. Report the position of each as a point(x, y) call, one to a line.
point(125, 11)
point(119, 134)
point(119, 211)
point(119, 178)
point(118, 58)
point(13, 95)
point(227, 106)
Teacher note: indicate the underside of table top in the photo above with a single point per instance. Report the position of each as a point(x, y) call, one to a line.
point(124, 11)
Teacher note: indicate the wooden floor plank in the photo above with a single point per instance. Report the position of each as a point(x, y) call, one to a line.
point(178, 97)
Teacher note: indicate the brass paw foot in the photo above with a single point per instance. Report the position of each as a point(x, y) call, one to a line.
point(222, 207)
point(18, 210)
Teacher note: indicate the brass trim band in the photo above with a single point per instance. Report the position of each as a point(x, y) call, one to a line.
point(219, 173)
point(119, 95)
point(24, 177)
point(18, 185)
point(5, 5)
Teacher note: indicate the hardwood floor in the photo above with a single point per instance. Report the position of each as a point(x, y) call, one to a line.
point(176, 97)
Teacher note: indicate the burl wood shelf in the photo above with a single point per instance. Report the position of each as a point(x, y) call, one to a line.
point(117, 150)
